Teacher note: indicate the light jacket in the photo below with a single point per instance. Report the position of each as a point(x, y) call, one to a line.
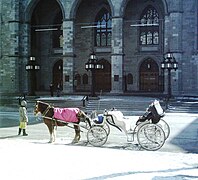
point(23, 114)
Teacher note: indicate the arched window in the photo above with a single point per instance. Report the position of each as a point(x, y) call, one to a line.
point(85, 79)
point(77, 79)
point(57, 34)
point(149, 29)
point(130, 78)
point(103, 29)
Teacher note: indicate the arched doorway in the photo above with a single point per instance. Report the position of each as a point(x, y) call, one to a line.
point(149, 76)
point(58, 74)
point(103, 77)
point(45, 23)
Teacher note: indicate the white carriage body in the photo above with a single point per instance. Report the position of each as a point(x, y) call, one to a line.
point(117, 119)
point(158, 108)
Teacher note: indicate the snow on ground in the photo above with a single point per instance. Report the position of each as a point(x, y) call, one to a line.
point(37, 160)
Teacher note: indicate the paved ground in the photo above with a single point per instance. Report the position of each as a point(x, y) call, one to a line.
point(183, 136)
point(117, 159)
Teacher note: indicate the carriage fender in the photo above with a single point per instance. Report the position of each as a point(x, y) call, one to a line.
point(118, 119)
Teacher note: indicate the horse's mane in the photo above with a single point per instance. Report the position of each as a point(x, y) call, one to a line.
point(42, 105)
point(41, 102)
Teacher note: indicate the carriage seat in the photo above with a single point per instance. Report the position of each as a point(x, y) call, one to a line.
point(99, 119)
point(153, 113)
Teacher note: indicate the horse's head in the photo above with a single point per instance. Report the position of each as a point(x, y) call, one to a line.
point(36, 108)
point(40, 107)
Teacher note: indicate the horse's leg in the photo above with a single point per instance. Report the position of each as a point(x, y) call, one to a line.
point(54, 133)
point(77, 134)
point(50, 128)
point(51, 131)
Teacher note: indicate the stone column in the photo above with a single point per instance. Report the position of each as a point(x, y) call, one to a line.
point(1, 31)
point(68, 56)
point(173, 43)
point(13, 50)
point(24, 56)
point(117, 55)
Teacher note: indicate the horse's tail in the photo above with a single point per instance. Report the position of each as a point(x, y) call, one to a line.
point(89, 122)
point(86, 117)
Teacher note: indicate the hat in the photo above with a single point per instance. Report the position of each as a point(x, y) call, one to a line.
point(23, 103)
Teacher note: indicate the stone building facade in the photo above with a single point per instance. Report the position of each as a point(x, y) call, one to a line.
point(129, 37)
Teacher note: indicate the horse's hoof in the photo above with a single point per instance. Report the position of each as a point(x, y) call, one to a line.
point(75, 141)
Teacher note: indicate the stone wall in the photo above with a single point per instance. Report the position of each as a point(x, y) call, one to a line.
point(179, 34)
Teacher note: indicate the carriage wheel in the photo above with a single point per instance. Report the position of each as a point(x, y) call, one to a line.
point(150, 137)
point(164, 125)
point(97, 136)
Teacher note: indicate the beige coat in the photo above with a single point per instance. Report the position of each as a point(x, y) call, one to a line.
point(23, 114)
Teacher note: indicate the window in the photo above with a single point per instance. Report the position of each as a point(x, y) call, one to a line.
point(103, 29)
point(77, 80)
point(130, 78)
point(85, 79)
point(149, 31)
point(57, 34)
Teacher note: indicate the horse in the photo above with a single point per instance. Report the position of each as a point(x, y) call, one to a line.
point(51, 121)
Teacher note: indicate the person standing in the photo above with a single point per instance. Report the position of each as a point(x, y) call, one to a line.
point(23, 118)
point(52, 89)
point(58, 90)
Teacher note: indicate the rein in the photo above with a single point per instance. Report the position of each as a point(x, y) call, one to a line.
point(46, 111)
point(54, 119)
point(46, 117)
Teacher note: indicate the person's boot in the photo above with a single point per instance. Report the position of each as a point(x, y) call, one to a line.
point(19, 133)
point(24, 133)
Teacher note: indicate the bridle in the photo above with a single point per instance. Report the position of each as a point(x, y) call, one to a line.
point(45, 111)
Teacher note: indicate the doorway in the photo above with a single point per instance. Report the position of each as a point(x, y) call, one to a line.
point(149, 76)
point(103, 77)
point(58, 74)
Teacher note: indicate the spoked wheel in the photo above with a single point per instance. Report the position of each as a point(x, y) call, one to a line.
point(97, 136)
point(164, 125)
point(150, 137)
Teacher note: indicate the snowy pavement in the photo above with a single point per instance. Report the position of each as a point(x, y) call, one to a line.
point(32, 158)
point(37, 160)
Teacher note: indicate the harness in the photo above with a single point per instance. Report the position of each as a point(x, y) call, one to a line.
point(46, 111)
point(50, 118)
point(54, 119)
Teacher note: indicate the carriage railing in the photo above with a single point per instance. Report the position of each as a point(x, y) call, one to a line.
point(100, 119)
point(153, 114)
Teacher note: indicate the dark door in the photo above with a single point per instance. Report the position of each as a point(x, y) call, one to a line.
point(103, 77)
point(58, 74)
point(149, 76)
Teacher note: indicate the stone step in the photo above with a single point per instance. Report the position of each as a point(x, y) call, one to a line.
point(188, 109)
point(139, 107)
point(125, 106)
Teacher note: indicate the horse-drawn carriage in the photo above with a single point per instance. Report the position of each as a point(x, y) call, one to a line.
point(150, 129)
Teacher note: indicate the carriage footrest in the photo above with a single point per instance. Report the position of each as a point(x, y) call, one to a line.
point(130, 136)
point(131, 132)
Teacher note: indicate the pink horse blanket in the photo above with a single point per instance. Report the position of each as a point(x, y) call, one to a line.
point(66, 114)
